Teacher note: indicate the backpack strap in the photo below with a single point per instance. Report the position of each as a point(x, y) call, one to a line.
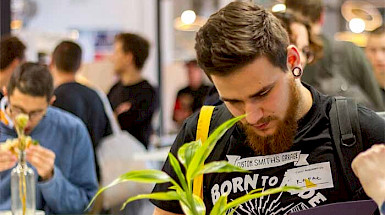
point(202, 134)
point(346, 134)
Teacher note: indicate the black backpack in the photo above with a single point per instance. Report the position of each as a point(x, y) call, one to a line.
point(346, 134)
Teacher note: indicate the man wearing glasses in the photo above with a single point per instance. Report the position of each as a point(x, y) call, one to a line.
point(63, 160)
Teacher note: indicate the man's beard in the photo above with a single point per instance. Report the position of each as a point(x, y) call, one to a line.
point(283, 137)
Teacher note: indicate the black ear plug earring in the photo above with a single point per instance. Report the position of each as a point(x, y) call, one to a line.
point(297, 72)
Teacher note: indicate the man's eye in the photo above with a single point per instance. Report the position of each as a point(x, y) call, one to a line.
point(264, 93)
point(234, 102)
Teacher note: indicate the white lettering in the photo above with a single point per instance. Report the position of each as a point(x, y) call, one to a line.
point(226, 187)
point(215, 193)
point(307, 194)
point(316, 199)
point(237, 184)
point(252, 182)
point(273, 181)
point(264, 180)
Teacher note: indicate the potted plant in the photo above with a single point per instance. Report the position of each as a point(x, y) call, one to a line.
point(192, 156)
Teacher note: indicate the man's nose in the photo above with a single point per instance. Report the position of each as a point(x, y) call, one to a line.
point(253, 113)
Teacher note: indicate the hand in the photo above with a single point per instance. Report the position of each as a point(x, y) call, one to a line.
point(369, 168)
point(123, 107)
point(7, 160)
point(42, 159)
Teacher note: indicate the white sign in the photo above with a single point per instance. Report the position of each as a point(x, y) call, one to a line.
point(267, 161)
point(312, 177)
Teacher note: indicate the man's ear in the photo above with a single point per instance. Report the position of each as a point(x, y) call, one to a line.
point(293, 58)
point(51, 66)
point(322, 17)
point(4, 91)
point(52, 100)
point(15, 63)
point(129, 57)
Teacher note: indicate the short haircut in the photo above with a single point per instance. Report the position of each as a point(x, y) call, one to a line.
point(135, 44)
point(32, 79)
point(289, 17)
point(378, 31)
point(67, 56)
point(238, 34)
point(11, 48)
point(311, 9)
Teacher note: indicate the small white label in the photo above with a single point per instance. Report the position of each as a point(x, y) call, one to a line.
point(312, 177)
point(262, 162)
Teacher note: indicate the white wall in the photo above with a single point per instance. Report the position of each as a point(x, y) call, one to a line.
point(60, 16)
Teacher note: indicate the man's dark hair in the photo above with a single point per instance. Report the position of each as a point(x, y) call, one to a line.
point(311, 9)
point(135, 44)
point(32, 79)
point(11, 48)
point(378, 31)
point(67, 56)
point(238, 34)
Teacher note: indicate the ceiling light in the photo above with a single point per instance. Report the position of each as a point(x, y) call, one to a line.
point(188, 17)
point(357, 25)
point(278, 8)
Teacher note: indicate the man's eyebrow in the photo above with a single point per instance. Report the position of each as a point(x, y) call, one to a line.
point(23, 110)
point(257, 94)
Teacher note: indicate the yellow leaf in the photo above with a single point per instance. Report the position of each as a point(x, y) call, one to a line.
point(309, 184)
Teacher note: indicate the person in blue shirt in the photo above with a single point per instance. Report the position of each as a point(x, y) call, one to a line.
point(63, 161)
point(369, 168)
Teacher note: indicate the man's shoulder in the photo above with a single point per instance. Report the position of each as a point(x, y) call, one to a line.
point(62, 119)
point(114, 87)
point(184, 90)
point(146, 86)
point(369, 117)
point(79, 89)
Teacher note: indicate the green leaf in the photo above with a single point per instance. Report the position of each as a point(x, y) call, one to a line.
point(203, 152)
point(199, 205)
point(249, 196)
point(186, 209)
point(165, 196)
point(143, 176)
point(197, 208)
point(218, 167)
point(175, 165)
point(187, 151)
point(219, 205)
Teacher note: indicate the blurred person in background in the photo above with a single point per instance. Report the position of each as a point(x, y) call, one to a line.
point(63, 160)
point(343, 70)
point(190, 98)
point(375, 51)
point(11, 55)
point(133, 99)
point(74, 97)
point(300, 35)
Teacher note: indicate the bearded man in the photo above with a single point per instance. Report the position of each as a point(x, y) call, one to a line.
point(285, 136)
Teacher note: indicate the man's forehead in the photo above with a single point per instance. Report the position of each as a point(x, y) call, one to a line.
point(26, 101)
point(248, 80)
